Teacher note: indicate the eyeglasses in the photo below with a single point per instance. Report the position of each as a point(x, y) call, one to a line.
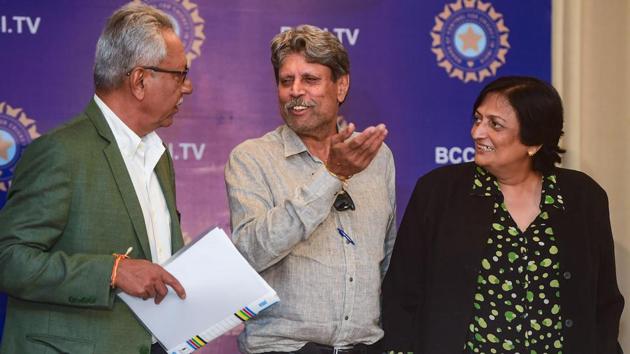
point(343, 201)
point(182, 74)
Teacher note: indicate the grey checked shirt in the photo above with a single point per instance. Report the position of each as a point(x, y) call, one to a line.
point(284, 224)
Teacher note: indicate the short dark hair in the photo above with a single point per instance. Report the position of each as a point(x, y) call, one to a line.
point(317, 46)
point(539, 111)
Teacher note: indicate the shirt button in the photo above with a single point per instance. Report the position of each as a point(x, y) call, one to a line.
point(346, 318)
point(567, 275)
point(568, 323)
point(351, 279)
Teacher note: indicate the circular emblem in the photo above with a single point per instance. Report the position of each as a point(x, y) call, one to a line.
point(186, 20)
point(16, 131)
point(470, 40)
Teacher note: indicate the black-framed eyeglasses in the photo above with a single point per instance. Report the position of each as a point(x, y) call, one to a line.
point(343, 201)
point(182, 74)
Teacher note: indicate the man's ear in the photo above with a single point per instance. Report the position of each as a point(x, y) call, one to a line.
point(136, 83)
point(343, 84)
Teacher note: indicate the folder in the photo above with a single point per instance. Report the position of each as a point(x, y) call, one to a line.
point(222, 291)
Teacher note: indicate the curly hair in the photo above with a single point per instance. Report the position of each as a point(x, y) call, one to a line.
point(317, 46)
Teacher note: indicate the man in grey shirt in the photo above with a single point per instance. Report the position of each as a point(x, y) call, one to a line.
point(313, 207)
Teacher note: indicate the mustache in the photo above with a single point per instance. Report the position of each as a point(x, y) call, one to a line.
point(298, 102)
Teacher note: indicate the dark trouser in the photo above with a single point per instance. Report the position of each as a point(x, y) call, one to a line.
point(157, 349)
point(314, 348)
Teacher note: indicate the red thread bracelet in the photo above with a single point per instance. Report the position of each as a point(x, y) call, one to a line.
point(119, 257)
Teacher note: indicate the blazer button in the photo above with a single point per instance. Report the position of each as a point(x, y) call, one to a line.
point(568, 323)
point(567, 275)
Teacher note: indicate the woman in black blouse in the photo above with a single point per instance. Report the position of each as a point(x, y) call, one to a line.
point(508, 254)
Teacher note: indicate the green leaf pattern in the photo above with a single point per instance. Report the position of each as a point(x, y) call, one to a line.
point(516, 303)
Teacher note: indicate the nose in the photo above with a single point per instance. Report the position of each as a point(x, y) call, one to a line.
point(187, 87)
point(478, 130)
point(296, 89)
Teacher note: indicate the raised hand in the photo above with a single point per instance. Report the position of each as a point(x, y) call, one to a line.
point(350, 155)
point(141, 278)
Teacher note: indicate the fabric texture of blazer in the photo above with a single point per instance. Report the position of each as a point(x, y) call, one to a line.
point(72, 204)
point(428, 290)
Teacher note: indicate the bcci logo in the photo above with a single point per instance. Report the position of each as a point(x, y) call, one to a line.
point(16, 131)
point(470, 40)
point(188, 24)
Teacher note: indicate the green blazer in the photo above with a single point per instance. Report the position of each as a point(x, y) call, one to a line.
point(71, 205)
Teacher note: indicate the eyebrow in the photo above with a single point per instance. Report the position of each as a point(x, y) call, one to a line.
point(490, 116)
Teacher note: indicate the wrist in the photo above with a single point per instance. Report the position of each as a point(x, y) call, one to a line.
point(340, 177)
point(118, 257)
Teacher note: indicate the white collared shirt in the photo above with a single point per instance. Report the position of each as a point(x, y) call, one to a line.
point(140, 156)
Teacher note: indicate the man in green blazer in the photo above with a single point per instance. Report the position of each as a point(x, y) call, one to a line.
point(99, 185)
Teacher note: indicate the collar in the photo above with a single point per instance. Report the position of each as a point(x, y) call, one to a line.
point(551, 193)
point(486, 185)
point(128, 141)
point(293, 145)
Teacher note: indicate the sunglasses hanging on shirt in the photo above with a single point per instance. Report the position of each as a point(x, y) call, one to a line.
point(343, 201)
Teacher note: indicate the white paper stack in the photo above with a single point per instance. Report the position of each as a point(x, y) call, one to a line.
point(222, 291)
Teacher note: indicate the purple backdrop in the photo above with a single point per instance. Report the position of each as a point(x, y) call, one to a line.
point(415, 65)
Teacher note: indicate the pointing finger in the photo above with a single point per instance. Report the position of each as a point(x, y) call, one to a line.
point(174, 283)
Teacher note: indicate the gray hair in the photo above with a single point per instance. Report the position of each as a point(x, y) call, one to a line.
point(132, 37)
point(317, 46)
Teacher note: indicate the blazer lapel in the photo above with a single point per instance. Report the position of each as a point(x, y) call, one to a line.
point(121, 176)
point(165, 177)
